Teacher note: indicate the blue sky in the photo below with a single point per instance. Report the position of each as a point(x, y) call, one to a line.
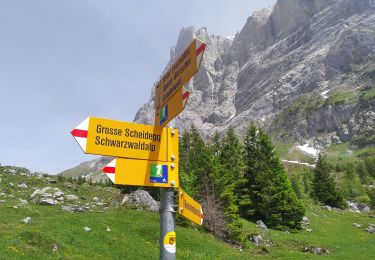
point(64, 60)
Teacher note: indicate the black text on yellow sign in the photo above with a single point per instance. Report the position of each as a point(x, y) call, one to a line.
point(189, 208)
point(127, 140)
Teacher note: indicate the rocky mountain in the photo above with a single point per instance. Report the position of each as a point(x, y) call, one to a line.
point(303, 69)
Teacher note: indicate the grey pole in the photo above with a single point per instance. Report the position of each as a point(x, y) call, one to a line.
point(167, 239)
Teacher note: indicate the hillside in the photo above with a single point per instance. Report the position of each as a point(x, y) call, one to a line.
point(120, 233)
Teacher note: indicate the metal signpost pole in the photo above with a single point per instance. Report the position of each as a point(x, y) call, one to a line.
point(167, 224)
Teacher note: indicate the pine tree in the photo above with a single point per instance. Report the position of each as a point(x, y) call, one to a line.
point(272, 198)
point(229, 180)
point(324, 189)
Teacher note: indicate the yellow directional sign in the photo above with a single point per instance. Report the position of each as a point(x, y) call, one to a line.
point(128, 140)
point(189, 208)
point(125, 171)
point(179, 73)
point(172, 108)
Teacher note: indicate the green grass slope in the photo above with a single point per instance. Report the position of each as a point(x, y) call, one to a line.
point(134, 234)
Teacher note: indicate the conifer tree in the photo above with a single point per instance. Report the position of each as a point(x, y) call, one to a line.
point(324, 189)
point(272, 198)
point(229, 180)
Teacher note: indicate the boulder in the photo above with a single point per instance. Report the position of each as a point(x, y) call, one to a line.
point(47, 201)
point(371, 229)
point(22, 186)
point(364, 208)
point(75, 208)
point(353, 207)
point(87, 229)
point(26, 220)
point(23, 202)
point(356, 225)
point(142, 200)
point(256, 239)
point(316, 250)
point(305, 221)
point(261, 225)
point(58, 194)
point(71, 197)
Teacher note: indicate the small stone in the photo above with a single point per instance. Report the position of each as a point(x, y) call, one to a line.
point(36, 192)
point(58, 194)
point(95, 199)
point(22, 186)
point(26, 220)
point(309, 230)
point(71, 197)
point(305, 221)
point(47, 201)
point(87, 229)
point(256, 239)
point(356, 225)
point(108, 229)
point(11, 184)
point(55, 248)
point(15, 207)
point(261, 225)
point(327, 207)
point(371, 229)
point(23, 202)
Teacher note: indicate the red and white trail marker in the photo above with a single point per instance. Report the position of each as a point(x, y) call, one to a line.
point(110, 169)
point(80, 133)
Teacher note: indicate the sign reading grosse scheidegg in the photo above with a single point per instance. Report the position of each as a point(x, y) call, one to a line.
point(127, 140)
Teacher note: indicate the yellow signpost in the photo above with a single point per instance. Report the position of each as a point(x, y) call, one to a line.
point(143, 173)
point(127, 140)
point(179, 74)
point(172, 108)
point(148, 155)
point(189, 208)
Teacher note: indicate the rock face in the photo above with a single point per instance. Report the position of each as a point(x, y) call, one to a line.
point(300, 69)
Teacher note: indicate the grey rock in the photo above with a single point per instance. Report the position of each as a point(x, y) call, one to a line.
point(22, 201)
point(353, 207)
point(363, 208)
point(256, 239)
point(36, 192)
point(141, 199)
point(26, 220)
point(71, 197)
point(305, 221)
point(47, 201)
point(356, 225)
point(87, 229)
point(75, 208)
point(316, 250)
point(22, 186)
point(55, 248)
point(370, 229)
point(309, 230)
point(2, 201)
point(58, 194)
point(261, 225)
point(327, 207)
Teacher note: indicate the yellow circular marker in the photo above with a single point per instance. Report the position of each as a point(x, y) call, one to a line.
point(170, 242)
